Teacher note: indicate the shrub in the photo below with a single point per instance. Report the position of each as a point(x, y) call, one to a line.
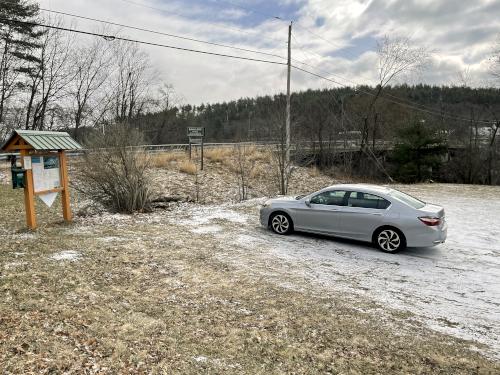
point(115, 175)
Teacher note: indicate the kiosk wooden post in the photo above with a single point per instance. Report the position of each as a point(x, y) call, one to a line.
point(44, 146)
point(66, 207)
point(29, 195)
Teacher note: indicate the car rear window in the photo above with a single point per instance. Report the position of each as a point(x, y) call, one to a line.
point(365, 200)
point(408, 199)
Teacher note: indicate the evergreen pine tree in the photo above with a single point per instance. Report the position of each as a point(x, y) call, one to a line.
point(419, 152)
point(17, 43)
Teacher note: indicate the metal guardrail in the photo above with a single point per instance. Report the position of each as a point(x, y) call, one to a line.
point(339, 146)
point(184, 146)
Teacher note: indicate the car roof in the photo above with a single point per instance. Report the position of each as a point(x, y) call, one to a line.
point(361, 188)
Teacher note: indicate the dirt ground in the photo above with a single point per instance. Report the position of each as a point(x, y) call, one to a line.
point(201, 288)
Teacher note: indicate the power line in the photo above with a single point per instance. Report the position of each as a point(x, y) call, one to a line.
point(431, 112)
point(398, 100)
point(274, 17)
point(207, 22)
point(282, 19)
point(161, 33)
point(112, 37)
point(414, 106)
point(337, 46)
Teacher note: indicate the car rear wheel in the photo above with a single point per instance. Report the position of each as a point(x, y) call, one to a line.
point(281, 223)
point(390, 240)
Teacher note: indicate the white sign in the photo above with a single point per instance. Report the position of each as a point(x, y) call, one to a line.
point(46, 175)
point(196, 132)
point(196, 141)
point(27, 162)
point(48, 198)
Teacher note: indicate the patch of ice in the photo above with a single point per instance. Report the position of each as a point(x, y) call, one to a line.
point(69, 255)
point(207, 229)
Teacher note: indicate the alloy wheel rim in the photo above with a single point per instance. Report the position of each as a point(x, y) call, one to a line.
point(389, 240)
point(280, 224)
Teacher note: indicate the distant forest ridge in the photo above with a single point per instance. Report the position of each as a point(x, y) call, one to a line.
point(323, 114)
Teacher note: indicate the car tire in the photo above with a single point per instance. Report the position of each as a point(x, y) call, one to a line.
point(281, 223)
point(389, 240)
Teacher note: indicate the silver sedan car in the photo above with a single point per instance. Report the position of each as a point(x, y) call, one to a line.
point(390, 219)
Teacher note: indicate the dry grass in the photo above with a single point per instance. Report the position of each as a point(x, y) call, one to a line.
point(166, 159)
point(147, 296)
point(259, 154)
point(219, 155)
point(188, 167)
point(227, 155)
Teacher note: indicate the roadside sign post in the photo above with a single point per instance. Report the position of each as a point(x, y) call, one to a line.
point(196, 136)
point(44, 166)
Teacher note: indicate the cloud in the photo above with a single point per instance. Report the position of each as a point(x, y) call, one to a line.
point(334, 36)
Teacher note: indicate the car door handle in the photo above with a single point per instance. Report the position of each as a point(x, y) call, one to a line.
point(376, 214)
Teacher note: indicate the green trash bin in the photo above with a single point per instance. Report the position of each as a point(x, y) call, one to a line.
point(18, 178)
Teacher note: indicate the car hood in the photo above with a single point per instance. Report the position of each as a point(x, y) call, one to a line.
point(281, 199)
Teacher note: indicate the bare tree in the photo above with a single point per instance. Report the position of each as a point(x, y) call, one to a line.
point(397, 57)
point(91, 68)
point(244, 164)
point(495, 61)
point(48, 77)
point(281, 167)
point(129, 96)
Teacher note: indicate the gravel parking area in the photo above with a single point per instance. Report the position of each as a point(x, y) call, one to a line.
point(453, 288)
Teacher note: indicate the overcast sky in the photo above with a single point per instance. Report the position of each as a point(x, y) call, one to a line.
point(336, 36)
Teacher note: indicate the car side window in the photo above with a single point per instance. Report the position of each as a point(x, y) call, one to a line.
point(365, 200)
point(330, 198)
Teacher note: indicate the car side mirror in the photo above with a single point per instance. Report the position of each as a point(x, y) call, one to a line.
point(308, 202)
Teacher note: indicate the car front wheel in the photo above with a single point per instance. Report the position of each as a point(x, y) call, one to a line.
point(281, 223)
point(390, 240)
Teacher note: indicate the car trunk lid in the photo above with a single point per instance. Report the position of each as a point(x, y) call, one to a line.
point(432, 210)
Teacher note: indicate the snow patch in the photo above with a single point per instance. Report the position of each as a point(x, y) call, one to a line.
point(205, 215)
point(11, 265)
point(200, 359)
point(112, 239)
point(26, 236)
point(69, 255)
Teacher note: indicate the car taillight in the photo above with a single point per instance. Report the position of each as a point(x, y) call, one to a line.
point(430, 221)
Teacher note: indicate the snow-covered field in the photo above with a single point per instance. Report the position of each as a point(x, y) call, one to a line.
point(453, 288)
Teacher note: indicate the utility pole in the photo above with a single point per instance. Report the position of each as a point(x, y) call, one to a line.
point(288, 101)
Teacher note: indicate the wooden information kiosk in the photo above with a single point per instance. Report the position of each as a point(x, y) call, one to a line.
point(43, 169)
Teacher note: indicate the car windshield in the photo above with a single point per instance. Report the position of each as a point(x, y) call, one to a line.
point(408, 199)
